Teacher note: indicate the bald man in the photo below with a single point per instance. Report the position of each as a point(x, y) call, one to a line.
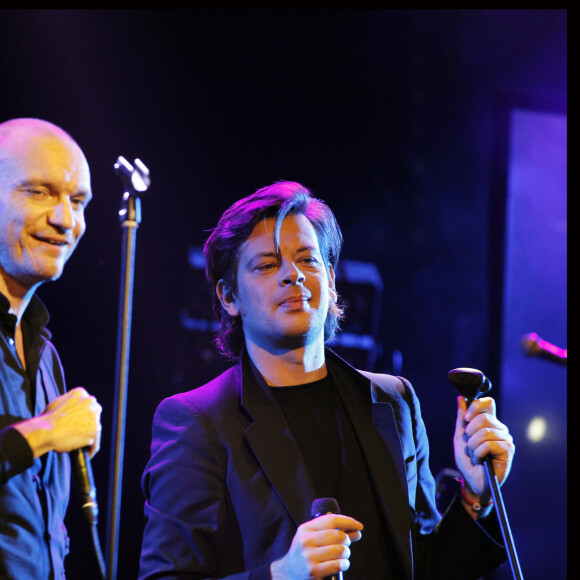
point(45, 187)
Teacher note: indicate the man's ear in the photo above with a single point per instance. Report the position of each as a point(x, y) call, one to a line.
point(332, 285)
point(227, 298)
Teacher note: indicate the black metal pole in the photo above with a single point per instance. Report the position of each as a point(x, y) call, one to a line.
point(136, 179)
point(503, 519)
point(472, 384)
point(122, 373)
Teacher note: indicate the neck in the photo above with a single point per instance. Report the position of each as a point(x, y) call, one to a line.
point(289, 367)
point(18, 295)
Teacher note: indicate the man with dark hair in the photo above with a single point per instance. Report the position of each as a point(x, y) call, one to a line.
point(44, 189)
point(237, 464)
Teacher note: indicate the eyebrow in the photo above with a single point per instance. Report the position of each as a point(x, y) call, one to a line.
point(87, 194)
point(257, 257)
point(260, 255)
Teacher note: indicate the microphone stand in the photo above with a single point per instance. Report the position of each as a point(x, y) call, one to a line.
point(472, 384)
point(136, 180)
point(503, 520)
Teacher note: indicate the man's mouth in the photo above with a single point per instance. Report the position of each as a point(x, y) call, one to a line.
point(295, 300)
point(53, 241)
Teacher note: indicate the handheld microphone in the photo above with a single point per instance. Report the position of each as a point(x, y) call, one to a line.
point(533, 345)
point(471, 383)
point(85, 484)
point(320, 507)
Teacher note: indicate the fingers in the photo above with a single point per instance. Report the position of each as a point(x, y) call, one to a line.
point(479, 412)
point(481, 434)
point(93, 412)
point(321, 546)
point(95, 441)
point(335, 522)
point(483, 428)
point(479, 406)
point(74, 421)
point(497, 444)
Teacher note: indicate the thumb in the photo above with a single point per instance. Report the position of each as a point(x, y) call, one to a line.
point(461, 409)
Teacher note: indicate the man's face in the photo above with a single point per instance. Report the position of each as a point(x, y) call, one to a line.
point(282, 297)
point(44, 189)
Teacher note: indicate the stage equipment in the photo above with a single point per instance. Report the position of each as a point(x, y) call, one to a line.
point(135, 179)
point(472, 384)
point(87, 492)
point(360, 288)
point(534, 345)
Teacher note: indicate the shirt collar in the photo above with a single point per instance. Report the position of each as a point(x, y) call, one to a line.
point(36, 315)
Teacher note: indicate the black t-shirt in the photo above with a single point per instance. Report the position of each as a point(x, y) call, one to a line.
point(331, 451)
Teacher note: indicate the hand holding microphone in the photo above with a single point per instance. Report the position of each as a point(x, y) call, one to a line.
point(320, 507)
point(320, 548)
point(479, 435)
point(484, 451)
point(70, 424)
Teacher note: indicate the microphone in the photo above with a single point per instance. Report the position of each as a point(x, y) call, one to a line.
point(471, 383)
point(320, 507)
point(85, 484)
point(533, 345)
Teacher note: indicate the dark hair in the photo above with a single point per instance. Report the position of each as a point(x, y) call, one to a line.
point(221, 249)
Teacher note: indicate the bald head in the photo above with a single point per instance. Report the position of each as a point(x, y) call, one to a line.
point(26, 129)
point(30, 124)
point(44, 189)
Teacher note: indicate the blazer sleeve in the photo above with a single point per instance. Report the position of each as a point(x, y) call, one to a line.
point(454, 545)
point(184, 483)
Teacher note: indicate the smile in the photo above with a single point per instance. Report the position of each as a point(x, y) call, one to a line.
point(53, 241)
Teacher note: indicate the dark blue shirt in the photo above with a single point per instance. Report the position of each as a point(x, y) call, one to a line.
point(33, 493)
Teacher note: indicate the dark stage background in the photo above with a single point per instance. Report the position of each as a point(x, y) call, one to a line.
point(399, 119)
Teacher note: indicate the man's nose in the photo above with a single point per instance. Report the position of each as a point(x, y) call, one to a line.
point(291, 273)
point(62, 215)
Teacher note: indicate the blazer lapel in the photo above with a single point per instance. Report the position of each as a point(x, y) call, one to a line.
point(375, 427)
point(271, 440)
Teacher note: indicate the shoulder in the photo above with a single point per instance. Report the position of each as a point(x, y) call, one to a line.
point(384, 387)
point(201, 417)
point(389, 384)
point(206, 398)
point(395, 390)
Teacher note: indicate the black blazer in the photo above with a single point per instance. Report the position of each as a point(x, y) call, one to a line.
point(226, 487)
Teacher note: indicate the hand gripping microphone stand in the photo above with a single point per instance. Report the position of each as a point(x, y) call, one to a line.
point(135, 180)
point(472, 384)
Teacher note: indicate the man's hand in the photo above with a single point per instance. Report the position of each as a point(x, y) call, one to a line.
point(71, 421)
point(320, 548)
point(478, 433)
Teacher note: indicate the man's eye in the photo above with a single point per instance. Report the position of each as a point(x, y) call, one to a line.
point(267, 266)
point(79, 202)
point(37, 192)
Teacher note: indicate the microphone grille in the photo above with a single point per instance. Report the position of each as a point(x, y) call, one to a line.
point(324, 505)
